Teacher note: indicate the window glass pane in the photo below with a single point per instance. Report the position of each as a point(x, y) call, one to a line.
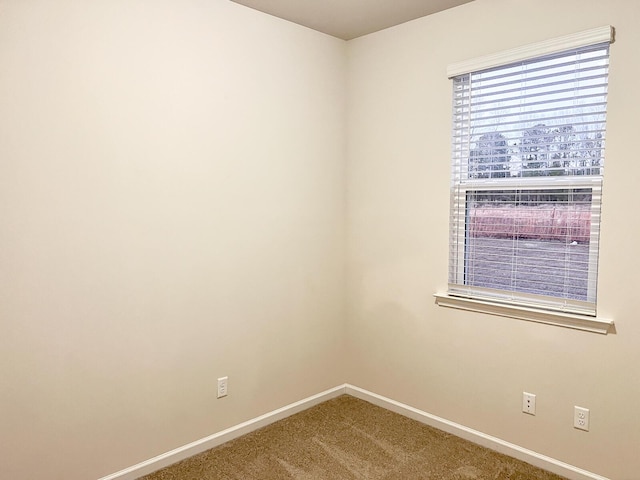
point(533, 241)
point(541, 117)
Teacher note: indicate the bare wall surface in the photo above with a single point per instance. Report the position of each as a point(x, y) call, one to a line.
point(468, 367)
point(172, 196)
point(172, 210)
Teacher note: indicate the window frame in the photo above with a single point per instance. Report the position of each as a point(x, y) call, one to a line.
point(458, 240)
point(523, 306)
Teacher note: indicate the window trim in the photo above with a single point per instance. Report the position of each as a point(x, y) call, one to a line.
point(539, 314)
point(578, 322)
point(585, 38)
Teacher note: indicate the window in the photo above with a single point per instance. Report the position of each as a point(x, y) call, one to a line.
point(527, 170)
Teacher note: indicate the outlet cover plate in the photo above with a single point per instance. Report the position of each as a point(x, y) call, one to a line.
point(222, 386)
point(581, 418)
point(529, 403)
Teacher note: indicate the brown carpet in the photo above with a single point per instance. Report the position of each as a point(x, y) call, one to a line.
point(347, 438)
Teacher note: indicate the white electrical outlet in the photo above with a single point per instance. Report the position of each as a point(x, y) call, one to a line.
point(581, 418)
point(222, 386)
point(529, 403)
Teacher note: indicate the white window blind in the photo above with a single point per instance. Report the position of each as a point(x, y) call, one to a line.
point(528, 162)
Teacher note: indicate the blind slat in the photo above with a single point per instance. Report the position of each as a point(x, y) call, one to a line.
point(521, 96)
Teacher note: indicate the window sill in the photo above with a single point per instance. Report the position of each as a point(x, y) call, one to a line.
point(578, 322)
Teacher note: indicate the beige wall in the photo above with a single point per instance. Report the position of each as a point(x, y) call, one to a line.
point(171, 211)
point(472, 368)
point(172, 205)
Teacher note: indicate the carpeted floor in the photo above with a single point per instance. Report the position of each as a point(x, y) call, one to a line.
point(347, 438)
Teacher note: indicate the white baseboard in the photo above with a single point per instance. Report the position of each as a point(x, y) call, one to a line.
point(207, 443)
point(494, 443)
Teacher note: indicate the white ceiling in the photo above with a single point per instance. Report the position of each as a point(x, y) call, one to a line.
point(349, 19)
